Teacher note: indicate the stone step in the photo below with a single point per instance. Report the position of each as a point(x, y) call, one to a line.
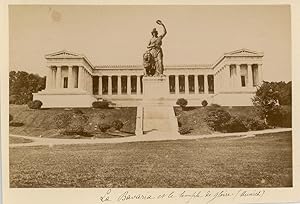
point(159, 120)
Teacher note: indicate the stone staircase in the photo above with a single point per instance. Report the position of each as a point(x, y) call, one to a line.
point(159, 120)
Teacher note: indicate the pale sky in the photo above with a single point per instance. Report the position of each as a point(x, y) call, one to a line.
point(111, 35)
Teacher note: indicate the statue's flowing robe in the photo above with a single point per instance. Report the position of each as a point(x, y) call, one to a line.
point(157, 54)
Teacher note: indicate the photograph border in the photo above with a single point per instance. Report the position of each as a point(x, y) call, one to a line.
point(94, 195)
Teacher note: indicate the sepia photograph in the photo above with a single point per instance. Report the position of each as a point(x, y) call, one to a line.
point(150, 96)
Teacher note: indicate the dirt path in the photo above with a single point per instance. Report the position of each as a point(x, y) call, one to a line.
point(153, 137)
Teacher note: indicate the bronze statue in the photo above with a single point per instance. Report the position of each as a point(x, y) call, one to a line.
point(153, 58)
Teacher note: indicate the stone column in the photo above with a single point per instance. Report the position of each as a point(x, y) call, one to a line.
point(49, 78)
point(168, 82)
point(176, 84)
point(196, 84)
point(217, 82)
point(186, 84)
point(80, 77)
point(227, 78)
point(250, 75)
point(259, 72)
point(138, 85)
point(100, 86)
point(129, 85)
point(220, 81)
point(90, 83)
point(139, 121)
point(109, 85)
point(205, 84)
point(70, 77)
point(58, 77)
point(238, 76)
point(119, 85)
point(85, 80)
point(53, 83)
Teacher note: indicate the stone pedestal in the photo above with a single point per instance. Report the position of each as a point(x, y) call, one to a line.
point(64, 98)
point(155, 88)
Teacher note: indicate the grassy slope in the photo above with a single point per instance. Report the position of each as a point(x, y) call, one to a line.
point(262, 161)
point(41, 122)
point(195, 117)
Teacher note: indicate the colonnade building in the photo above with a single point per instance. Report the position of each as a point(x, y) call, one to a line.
point(72, 81)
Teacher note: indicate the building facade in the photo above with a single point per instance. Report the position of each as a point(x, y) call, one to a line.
point(72, 81)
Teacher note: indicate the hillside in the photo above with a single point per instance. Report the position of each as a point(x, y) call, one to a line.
point(41, 122)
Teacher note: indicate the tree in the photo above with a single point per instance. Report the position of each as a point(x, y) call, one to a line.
point(285, 92)
point(269, 97)
point(22, 85)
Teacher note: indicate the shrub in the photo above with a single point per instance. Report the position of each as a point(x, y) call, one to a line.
point(16, 124)
point(10, 117)
point(235, 124)
point(103, 127)
point(77, 124)
point(117, 124)
point(214, 105)
point(12, 99)
point(255, 124)
point(184, 130)
point(100, 104)
point(63, 120)
point(182, 102)
point(36, 104)
point(279, 116)
point(179, 124)
point(217, 119)
point(78, 111)
point(204, 103)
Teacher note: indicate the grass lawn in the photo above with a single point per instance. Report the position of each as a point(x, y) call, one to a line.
point(17, 140)
point(261, 161)
point(41, 122)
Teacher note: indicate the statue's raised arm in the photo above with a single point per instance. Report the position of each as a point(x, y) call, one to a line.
point(159, 22)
